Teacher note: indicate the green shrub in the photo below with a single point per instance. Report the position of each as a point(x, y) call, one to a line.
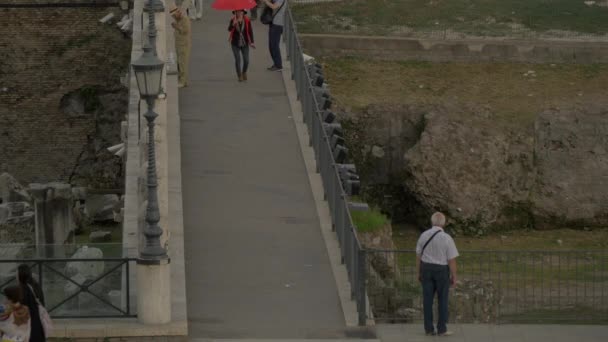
point(369, 221)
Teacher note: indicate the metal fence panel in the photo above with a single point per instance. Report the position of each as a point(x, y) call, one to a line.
point(79, 287)
point(497, 287)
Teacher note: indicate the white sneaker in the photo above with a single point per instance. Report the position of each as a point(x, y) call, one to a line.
point(447, 333)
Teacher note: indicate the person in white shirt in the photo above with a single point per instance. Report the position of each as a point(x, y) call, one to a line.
point(436, 266)
point(194, 8)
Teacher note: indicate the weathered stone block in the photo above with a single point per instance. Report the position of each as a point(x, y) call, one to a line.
point(102, 207)
point(87, 269)
point(100, 236)
point(11, 190)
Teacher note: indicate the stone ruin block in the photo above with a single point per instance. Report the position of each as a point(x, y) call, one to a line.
point(11, 190)
point(102, 207)
point(100, 237)
point(53, 207)
point(88, 270)
point(16, 223)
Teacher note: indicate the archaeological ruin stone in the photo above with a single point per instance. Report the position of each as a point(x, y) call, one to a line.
point(53, 207)
point(11, 190)
point(87, 269)
point(100, 237)
point(102, 207)
point(17, 223)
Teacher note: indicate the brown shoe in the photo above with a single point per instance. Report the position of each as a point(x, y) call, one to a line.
point(240, 78)
point(244, 76)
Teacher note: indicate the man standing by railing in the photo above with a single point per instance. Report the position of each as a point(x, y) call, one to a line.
point(436, 266)
point(275, 31)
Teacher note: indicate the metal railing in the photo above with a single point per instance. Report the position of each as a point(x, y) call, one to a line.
point(531, 19)
point(78, 287)
point(497, 287)
point(494, 286)
point(353, 255)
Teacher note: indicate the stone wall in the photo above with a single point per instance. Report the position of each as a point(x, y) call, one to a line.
point(390, 48)
point(56, 48)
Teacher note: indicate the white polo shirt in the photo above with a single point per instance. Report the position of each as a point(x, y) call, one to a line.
point(439, 250)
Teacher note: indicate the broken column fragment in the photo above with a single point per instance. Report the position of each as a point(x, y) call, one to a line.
point(54, 224)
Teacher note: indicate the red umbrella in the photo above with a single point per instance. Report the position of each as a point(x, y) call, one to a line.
point(233, 5)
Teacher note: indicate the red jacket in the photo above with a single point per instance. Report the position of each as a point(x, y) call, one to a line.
point(248, 31)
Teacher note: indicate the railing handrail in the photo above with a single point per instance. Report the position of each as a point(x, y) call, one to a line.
point(510, 251)
point(323, 133)
point(352, 252)
point(66, 259)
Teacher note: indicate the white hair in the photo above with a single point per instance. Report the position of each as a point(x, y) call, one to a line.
point(438, 219)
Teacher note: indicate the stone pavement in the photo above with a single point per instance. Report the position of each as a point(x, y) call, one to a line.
point(463, 333)
point(256, 262)
point(496, 333)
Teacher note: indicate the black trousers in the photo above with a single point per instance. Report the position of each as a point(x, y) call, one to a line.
point(435, 280)
point(274, 39)
point(237, 52)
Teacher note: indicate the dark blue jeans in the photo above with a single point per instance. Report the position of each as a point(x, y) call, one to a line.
point(237, 51)
point(274, 39)
point(435, 279)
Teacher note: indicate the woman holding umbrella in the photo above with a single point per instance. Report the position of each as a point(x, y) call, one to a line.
point(241, 37)
point(241, 32)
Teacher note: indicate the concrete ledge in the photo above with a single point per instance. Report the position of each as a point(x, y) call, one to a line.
point(395, 48)
point(91, 328)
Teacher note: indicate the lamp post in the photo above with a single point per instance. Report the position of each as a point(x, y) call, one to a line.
point(148, 73)
point(152, 7)
point(153, 271)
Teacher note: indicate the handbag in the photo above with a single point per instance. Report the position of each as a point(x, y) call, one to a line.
point(45, 318)
point(268, 16)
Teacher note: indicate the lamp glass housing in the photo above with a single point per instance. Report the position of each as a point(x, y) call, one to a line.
point(148, 73)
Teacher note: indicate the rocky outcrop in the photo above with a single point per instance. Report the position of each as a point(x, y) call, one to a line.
point(486, 172)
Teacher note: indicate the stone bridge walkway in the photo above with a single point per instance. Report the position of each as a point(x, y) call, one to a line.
point(256, 263)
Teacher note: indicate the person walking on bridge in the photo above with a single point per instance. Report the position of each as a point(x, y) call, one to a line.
point(183, 44)
point(241, 38)
point(436, 266)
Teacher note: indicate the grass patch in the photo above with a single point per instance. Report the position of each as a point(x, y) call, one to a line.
point(469, 17)
point(508, 90)
point(369, 221)
point(405, 237)
point(575, 315)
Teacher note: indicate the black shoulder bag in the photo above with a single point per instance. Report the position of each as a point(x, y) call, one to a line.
point(268, 16)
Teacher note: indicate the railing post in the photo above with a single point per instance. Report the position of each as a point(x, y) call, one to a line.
point(360, 284)
point(128, 290)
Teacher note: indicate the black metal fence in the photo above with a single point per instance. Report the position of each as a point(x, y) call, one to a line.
point(76, 287)
point(497, 287)
point(353, 255)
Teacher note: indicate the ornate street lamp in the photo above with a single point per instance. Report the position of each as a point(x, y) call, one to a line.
point(148, 73)
point(152, 7)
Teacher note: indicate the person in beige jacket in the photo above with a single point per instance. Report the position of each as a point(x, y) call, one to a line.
point(183, 44)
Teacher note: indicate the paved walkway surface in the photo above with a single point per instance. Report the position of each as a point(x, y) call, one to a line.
point(463, 333)
point(496, 333)
point(256, 264)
